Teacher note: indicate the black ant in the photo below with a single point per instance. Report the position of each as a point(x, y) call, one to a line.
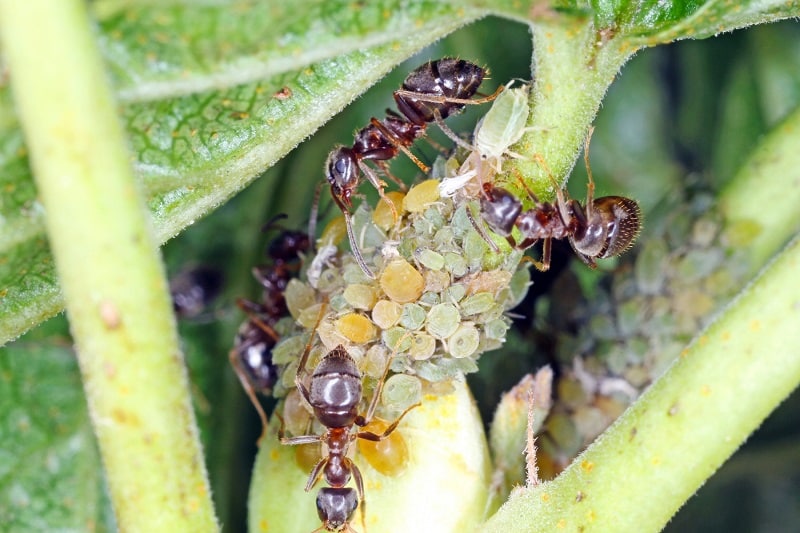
point(606, 227)
point(429, 93)
point(251, 356)
point(194, 289)
point(334, 394)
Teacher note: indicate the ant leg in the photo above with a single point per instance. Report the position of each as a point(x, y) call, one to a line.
point(437, 117)
point(379, 185)
point(359, 480)
point(348, 222)
point(481, 231)
point(252, 310)
point(590, 185)
point(440, 99)
point(392, 138)
point(388, 173)
point(301, 367)
point(248, 389)
point(537, 264)
point(561, 199)
point(546, 253)
point(374, 437)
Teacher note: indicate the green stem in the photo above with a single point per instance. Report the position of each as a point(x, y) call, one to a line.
point(109, 267)
point(760, 203)
point(573, 68)
point(638, 473)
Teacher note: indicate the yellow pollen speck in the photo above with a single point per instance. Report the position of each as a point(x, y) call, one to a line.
point(726, 336)
point(561, 524)
point(755, 325)
point(703, 340)
point(274, 455)
point(590, 516)
point(545, 497)
point(587, 466)
point(705, 390)
point(684, 353)
point(656, 460)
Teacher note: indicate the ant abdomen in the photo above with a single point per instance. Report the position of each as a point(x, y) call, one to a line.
point(447, 78)
point(335, 390)
point(613, 228)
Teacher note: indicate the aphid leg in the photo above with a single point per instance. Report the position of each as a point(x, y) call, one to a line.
point(248, 389)
point(481, 232)
point(348, 222)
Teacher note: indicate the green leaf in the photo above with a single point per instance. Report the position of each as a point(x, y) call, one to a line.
point(50, 472)
point(194, 151)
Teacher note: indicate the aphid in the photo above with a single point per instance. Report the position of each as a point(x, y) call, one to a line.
point(498, 130)
point(605, 227)
point(430, 93)
point(251, 356)
point(334, 394)
point(194, 289)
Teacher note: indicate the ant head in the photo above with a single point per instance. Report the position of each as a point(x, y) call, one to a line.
point(341, 171)
point(499, 209)
point(335, 507)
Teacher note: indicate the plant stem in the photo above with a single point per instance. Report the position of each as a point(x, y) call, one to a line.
point(638, 473)
point(762, 200)
point(573, 68)
point(109, 267)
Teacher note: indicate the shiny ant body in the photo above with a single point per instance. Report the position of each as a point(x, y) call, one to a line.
point(429, 93)
point(251, 356)
point(193, 290)
point(605, 227)
point(334, 394)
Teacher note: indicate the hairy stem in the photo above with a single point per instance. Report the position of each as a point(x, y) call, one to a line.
point(109, 267)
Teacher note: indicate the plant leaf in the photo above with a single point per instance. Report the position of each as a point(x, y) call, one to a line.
point(50, 472)
point(194, 151)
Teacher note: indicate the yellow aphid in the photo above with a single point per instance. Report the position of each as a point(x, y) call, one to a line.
point(383, 216)
point(357, 328)
point(334, 233)
point(402, 282)
point(421, 196)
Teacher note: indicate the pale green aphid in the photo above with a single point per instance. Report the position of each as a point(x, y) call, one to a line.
point(501, 127)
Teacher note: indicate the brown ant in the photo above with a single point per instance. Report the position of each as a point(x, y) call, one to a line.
point(606, 227)
point(251, 356)
point(334, 394)
point(429, 93)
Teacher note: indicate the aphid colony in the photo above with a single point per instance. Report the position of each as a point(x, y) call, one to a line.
point(425, 291)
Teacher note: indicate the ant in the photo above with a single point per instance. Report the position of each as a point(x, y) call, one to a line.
point(606, 227)
point(429, 93)
point(334, 394)
point(251, 356)
point(194, 289)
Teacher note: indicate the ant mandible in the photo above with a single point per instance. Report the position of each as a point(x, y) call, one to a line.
point(251, 355)
point(334, 394)
point(606, 227)
point(429, 93)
